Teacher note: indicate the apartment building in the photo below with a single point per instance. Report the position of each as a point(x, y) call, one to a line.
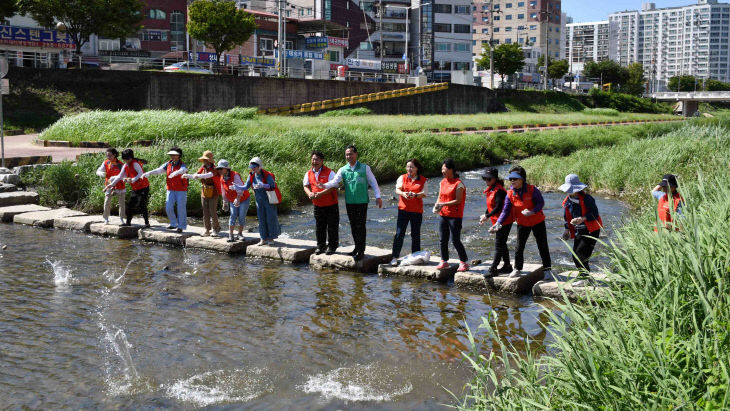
point(687, 40)
point(586, 42)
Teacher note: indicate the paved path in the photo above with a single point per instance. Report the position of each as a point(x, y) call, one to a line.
point(520, 129)
point(22, 146)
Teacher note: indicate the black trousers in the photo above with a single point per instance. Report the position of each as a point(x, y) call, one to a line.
point(540, 233)
point(358, 214)
point(328, 226)
point(451, 226)
point(501, 252)
point(137, 203)
point(583, 247)
point(405, 217)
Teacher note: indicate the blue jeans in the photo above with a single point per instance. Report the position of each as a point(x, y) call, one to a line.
point(405, 217)
point(239, 213)
point(179, 199)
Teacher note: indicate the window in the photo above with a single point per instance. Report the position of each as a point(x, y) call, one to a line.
point(508, 17)
point(459, 65)
point(266, 44)
point(533, 3)
point(533, 26)
point(485, 31)
point(533, 40)
point(441, 28)
point(108, 44)
point(520, 16)
point(442, 8)
point(496, 18)
point(508, 28)
point(461, 9)
point(508, 41)
point(443, 46)
point(366, 45)
point(462, 28)
point(156, 14)
point(520, 4)
point(533, 15)
point(333, 55)
point(508, 5)
point(496, 29)
point(461, 46)
point(177, 29)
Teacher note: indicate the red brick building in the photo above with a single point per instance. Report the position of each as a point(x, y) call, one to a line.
point(163, 27)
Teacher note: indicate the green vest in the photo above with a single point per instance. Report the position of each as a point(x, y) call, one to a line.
point(356, 183)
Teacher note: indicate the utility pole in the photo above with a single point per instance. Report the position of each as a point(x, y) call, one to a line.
point(381, 10)
point(491, 43)
point(547, 45)
point(281, 37)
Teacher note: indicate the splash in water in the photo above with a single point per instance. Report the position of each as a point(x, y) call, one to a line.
point(222, 386)
point(121, 375)
point(62, 275)
point(358, 383)
point(116, 280)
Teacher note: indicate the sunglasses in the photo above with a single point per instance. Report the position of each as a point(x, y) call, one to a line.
point(514, 179)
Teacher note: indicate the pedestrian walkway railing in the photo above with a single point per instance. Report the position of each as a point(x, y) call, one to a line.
point(353, 100)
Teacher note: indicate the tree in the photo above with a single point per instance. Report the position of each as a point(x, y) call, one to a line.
point(685, 83)
point(608, 70)
point(636, 82)
point(219, 24)
point(508, 58)
point(558, 68)
point(82, 18)
point(8, 8)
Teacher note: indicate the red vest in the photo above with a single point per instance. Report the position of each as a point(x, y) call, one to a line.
point(524, 203)
point(213, 181)
point(415, 204)
point(592, 226)
point(113, 168)
point(491, 193)
point(229, 194)
point(330, 198)
point(273, 177)
point(663, 209)
point(131, 173)
point(176, 183)
point(448, 193)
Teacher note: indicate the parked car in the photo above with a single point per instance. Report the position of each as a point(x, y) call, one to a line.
point(186, 67)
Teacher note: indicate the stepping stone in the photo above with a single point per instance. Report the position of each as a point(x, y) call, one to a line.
point(427, 271)
point(81, 223)
point(163, 235)
point(7, 188)
point(7, 213)
point(341, 261)
point(552, 288)
point(285, 249)
point(18, 198)
point(474, 278)
point(221, 245)
point(117, 230)
point(45, 218)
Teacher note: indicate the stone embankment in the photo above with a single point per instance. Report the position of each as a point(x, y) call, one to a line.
point(20, 207)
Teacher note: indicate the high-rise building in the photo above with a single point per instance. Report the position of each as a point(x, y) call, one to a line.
point(534, 24)
point(586, 42)
point(687, 40)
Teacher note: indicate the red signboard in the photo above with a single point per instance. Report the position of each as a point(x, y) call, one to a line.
point(338, 42)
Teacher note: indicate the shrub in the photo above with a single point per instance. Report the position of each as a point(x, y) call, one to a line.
point(602, 111)
point(242, 113)
point(357, 111)
point(626, 103)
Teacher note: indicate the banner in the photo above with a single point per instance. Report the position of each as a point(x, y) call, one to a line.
point(207, 57)
point(316, 42)
point(302, 54)
point(363, 64)
point(24, 36)
point(338, 42)
point(257, 61)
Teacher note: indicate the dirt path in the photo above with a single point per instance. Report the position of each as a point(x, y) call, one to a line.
point(22, 146)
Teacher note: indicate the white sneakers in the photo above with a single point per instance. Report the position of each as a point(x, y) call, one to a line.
point(206, 233)
point(516, 273)
point(394, 262)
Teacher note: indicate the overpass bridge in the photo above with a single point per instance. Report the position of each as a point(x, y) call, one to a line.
point(691, 99)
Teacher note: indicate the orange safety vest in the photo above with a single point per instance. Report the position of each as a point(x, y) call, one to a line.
point(132, 173)
point(592, 226)
point(524, 203)
point(176, 183)
point(330, 198)
point(229, 194)
point(663, 211)
point(273, 177)
point(448, 193)
point(213, 181)
point(491, 194)
point(415, 204)
point(113, 168)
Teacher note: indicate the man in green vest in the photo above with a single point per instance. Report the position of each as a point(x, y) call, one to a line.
point(356, 177)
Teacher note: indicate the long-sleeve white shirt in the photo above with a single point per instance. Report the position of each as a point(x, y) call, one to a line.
point(101, 172)
point(399, 184)
point(305, 182)
point(123, 174)
point(163, 170)
point(370, 177)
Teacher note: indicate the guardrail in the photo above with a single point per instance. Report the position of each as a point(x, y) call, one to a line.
point(352, 100)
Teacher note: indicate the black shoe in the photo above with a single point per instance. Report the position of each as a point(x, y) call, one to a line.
point(492, 272)
point(230, 240)
point(330, 252)
point(126, 225)
point(318, 251)
point(359, 256)
point(179, 230)
point(506, 269)
point(352, 253)
point(146, 225)
point(171, 227)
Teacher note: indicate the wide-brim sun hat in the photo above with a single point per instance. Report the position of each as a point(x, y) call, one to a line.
point(223, 164)
point(174, 153)
point(572, 184)
point(255, 162)
point(207, 156)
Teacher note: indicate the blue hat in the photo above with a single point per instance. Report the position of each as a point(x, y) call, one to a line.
point(572, 184)
point(515, 174)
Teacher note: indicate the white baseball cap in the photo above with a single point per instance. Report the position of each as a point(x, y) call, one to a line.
point(257, 161)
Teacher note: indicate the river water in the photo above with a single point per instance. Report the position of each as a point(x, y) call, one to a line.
point(88, 322)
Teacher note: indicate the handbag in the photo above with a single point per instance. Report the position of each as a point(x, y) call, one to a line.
point(208, 191)
point(273, 198)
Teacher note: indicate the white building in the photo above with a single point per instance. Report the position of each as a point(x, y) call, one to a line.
point(687, 40)
point(452, 36)
point(586, 42)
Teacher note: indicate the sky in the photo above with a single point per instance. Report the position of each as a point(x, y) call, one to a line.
point(597, 10)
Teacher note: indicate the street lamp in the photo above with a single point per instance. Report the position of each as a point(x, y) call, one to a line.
point(547, 14)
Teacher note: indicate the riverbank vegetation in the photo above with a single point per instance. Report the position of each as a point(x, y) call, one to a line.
point(285, 153)
point(123, 128)
point(660, 338)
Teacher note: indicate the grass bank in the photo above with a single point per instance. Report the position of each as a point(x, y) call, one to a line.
point(123, 128)
point(660, 339)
